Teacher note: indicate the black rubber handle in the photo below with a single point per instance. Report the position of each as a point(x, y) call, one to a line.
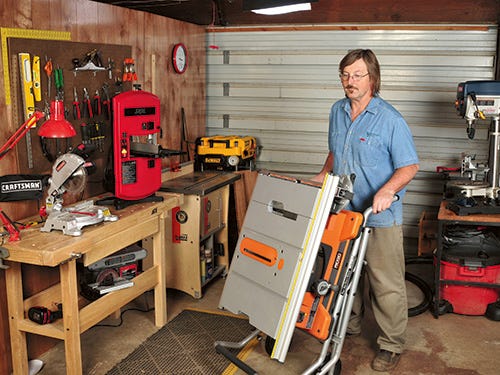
point(239, 363)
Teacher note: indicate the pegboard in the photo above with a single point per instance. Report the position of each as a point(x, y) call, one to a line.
point(32, 157)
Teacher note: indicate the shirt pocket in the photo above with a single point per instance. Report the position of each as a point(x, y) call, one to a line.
point(369, 150)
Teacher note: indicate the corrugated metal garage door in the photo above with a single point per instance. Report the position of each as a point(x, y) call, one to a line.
point(278, 85)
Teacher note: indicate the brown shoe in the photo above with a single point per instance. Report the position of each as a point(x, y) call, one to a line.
point(385, 360)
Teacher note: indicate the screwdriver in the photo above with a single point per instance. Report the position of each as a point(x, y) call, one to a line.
point(85, 133)
point(48, 71)
point(59, 82)
point(106, 102)
point(99, 132)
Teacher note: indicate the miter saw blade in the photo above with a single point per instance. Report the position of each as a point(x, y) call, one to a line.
point(65, 167)
point(77, 182)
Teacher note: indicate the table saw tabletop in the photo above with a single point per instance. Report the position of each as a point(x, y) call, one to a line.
point(199, 183)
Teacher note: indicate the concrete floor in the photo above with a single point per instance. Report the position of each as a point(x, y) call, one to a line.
point(453, 344)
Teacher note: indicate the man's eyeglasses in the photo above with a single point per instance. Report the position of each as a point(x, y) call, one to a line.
point(356, 76)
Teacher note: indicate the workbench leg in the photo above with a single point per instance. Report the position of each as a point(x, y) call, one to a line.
point(14, 286)
point(159, 260)
point(71, 318)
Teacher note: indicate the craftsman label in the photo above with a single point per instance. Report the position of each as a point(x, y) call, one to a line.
point(19, 186)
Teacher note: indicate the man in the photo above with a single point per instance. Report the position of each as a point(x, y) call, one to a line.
point(370, 139)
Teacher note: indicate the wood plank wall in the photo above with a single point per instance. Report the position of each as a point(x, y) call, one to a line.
point(370, 11)
point(150, 36)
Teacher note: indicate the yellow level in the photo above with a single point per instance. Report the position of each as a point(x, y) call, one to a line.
point(37, 88)
point(26, 84)
point(7, 32)
point(28, 98)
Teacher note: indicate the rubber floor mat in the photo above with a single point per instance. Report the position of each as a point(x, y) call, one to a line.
point(185, 345)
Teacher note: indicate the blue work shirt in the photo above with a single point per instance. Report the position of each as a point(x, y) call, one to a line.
point(372, 147)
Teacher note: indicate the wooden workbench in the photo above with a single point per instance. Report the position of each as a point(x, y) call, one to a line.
point(445, 214)
point(55, 249)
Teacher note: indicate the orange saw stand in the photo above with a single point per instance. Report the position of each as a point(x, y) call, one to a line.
point(315, 312)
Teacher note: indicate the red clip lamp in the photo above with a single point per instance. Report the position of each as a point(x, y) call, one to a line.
point(56, 127)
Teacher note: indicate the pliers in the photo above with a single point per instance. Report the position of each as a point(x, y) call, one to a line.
point(97, 103)
point(76, 106)
point(106, 102)
point(87, 106)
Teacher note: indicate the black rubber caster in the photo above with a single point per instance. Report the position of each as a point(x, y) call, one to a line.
point(444, 307)
point(269, 345)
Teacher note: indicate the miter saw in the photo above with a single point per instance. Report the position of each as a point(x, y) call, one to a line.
point(69, 174)
point(479, 100)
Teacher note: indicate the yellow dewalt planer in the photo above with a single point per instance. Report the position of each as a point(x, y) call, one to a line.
point(229, 152)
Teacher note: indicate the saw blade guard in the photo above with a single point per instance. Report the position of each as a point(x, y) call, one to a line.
point(68, 174)
point(344, 193)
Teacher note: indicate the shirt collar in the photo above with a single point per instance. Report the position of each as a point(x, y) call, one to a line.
point(372, 107)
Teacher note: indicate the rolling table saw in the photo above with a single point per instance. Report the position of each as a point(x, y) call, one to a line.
point(297, 264)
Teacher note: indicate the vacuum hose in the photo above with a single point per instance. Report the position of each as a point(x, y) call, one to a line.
point(421, 284)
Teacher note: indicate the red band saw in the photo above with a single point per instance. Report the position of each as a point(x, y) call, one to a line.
point(136, 174)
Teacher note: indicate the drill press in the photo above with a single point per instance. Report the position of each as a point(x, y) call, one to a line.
point(480, 100)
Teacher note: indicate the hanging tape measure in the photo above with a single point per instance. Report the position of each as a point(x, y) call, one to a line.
point(7, 32)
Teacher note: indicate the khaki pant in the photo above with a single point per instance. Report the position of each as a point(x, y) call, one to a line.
point(385, 270)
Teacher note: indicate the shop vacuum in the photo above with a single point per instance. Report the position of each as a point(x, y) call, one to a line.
point(471, 264)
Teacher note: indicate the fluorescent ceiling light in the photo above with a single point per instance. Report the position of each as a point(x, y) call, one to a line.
point(283, 9)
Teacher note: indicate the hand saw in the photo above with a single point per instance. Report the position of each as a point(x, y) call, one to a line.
point(27, 97)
